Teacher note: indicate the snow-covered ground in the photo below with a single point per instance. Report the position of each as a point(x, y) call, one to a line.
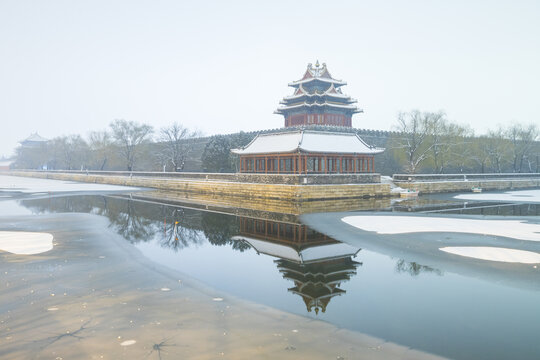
point(494, 254)
point(35, 185)
point(516, 229)
point(530, 196)
point(25, 243)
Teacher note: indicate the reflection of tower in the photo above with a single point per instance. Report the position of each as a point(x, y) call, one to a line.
point(318, 282)
point(316, 263)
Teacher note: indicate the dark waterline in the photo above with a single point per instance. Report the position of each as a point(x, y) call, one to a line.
point(405, 302)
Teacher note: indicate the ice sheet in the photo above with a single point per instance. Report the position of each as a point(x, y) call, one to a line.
point(495, 254)
point(532, 196)
point(516, 229)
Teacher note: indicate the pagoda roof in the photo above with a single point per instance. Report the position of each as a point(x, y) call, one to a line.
point(331, 91)
point(308, 141)
point(317, 73)
point(311, 254)
point(35, 138)
point(351, 107)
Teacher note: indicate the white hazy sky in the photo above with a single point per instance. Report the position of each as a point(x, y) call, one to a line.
point(222, 66)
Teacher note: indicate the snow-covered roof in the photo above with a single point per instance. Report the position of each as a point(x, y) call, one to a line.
point(317, 73)
point(310, 254)
point(35, 137)
point(341, 106)
point(308, 141)
point(331, 91)
point(326, 80)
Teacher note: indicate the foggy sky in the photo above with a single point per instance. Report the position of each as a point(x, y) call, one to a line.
point(222, 66)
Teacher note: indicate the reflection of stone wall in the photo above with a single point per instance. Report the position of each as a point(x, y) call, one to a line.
point(271, 209)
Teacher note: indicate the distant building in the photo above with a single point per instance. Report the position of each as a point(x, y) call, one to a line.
point(33, 141)
point(5, 165)
point(317, 101)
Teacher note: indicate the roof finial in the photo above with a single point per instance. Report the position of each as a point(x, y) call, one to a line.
point(317, 63)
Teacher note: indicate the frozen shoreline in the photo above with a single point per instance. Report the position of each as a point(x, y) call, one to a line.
point(28, 185)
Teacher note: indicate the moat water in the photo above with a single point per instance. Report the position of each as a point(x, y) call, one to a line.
point(464, 308)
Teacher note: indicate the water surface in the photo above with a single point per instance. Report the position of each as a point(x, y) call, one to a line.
point(445, 310)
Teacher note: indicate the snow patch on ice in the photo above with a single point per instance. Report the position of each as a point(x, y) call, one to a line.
point(25, 243)
point(128, 342)
point(530, 196)
point(495, 254)
point(516, 229)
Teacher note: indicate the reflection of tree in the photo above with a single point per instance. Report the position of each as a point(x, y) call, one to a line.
point(219, 229)
point(136, 221)
point(176, 236)
point(129, 223)
point(415, 269)
point(81, 204)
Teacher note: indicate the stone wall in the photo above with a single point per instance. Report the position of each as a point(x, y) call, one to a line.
point(288, 192)
point(289, 179)
point(463, 177)
point(432, 187)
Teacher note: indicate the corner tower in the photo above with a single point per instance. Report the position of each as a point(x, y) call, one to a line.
point(318, 100)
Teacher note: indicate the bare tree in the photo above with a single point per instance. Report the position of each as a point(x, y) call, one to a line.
point(176, 145)
point(523, 141)
point(478, 153)
point(444, 138)
point(68, 152)
point(100, 143)
point(498, 148)
point(414, 130)
point(129, 136)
